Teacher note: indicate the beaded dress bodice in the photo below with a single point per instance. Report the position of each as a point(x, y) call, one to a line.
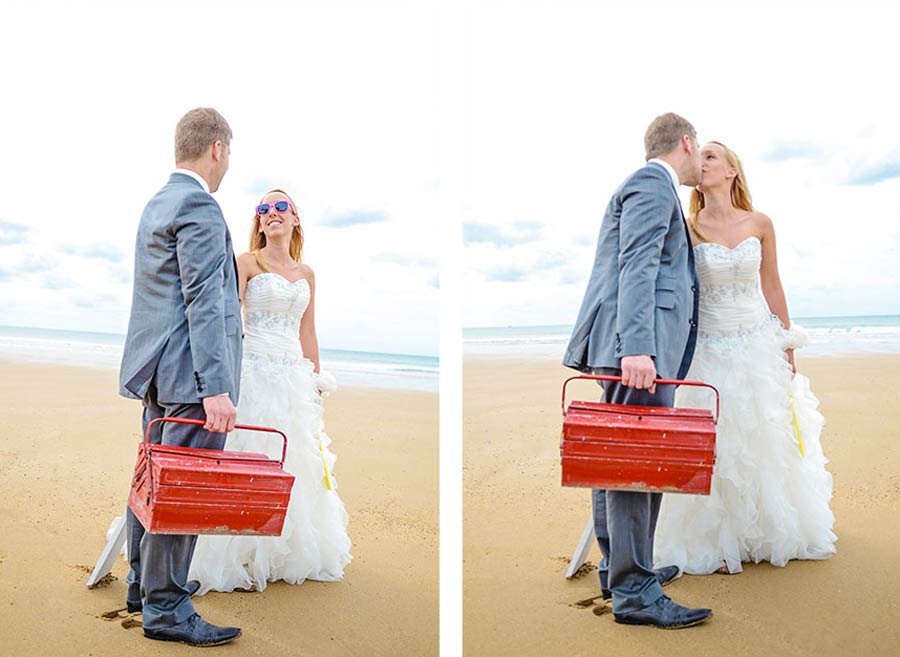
point(731, 302)
point(273, 308)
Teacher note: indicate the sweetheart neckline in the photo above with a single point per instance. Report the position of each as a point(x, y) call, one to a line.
point(730, 248)
point(272, 273)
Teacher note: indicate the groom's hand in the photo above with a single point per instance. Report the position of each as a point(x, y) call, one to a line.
point(220, 413)
point(639, 372)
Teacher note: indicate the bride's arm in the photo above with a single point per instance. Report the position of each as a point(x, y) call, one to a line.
point(769, 279)
point(308, 340)
point(245, 266)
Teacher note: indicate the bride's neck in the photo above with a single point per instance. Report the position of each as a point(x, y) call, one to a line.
point(277, 252)
point(717, 203)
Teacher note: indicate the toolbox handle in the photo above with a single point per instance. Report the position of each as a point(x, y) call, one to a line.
point(185, 420)
point(604, 377)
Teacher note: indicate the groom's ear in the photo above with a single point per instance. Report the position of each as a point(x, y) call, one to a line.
point(219, 150)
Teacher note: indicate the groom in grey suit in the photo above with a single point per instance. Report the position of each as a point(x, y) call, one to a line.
point(638, 320)
point(182, 356)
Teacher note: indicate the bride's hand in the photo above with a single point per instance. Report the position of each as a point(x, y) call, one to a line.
point(325, 383)
point(790, 357)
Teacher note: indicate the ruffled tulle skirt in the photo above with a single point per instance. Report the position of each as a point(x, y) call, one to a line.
point(768, 499)
point(279, 391)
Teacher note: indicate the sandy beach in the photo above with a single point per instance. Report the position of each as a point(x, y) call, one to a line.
point(521, 527)
point(68, 447)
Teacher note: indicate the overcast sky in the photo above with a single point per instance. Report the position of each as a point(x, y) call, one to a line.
point(338, 107)
point(333, 106)
point(560, 101)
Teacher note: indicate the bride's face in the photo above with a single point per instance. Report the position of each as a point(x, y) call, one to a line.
point(277, 222)
point(714, 167)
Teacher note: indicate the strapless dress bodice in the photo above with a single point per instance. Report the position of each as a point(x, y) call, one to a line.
point(273, 308)
point(731, 301)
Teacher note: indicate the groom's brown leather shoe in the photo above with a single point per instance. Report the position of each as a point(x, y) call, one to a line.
point(665, 614)
point(134, 607)
point(195, 632)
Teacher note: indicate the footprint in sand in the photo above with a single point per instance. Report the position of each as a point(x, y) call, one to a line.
point(597, 604)
point(106, 580)
point(587, 602)
point(583, 570)
point(122, 615)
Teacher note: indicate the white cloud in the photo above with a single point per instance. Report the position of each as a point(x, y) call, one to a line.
point(560, 101)
point(334, 106)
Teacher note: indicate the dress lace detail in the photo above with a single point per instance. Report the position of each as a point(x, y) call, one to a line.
point(734, 292)
point(278, 389)
point(768, 502)
point(275, 306)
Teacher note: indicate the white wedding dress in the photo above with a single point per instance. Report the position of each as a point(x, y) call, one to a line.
point(768, 501)
point(278, 389)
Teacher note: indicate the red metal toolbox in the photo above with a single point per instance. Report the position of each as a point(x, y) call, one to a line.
point(639, 448)
point(188, 490)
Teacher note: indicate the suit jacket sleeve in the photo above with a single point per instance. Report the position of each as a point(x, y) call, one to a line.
point(647, 208)
point(200, 232)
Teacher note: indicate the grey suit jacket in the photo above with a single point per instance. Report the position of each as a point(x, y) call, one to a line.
point(642, 294)
point(184, 334)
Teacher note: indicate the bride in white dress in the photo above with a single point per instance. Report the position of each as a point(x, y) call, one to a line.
point(770, 489)
point(281, 387)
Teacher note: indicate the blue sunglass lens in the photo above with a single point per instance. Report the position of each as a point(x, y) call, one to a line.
point(281, 206)
point(262, 209)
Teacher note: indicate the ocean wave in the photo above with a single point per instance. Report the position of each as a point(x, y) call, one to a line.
point(381, 368)
point(523, 339)
point(844, 335)
point(855, 330)
point(360, 369)
point(418, 370)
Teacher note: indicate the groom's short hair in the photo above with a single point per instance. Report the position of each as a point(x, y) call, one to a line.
point(665, 133)
point(197, 131)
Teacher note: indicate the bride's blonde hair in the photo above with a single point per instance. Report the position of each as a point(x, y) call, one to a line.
point(740, 192)
point(258, 238)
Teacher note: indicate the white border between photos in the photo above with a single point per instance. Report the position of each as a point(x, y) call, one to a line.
point(451, 54)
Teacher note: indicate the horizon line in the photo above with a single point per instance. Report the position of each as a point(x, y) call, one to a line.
point(122, 335)
point(798, 318)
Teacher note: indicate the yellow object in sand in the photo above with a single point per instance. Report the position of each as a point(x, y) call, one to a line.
point(327, 477)
point(797, 427)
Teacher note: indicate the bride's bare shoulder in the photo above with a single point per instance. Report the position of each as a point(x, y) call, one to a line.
point(762, 224)
point(248, 265)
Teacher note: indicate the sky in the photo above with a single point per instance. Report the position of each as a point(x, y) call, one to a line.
point(560, 100)
point(334, 106)
point(338, 106)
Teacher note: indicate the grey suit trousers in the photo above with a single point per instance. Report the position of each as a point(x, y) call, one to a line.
point(625, 521)
point(160, 562)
